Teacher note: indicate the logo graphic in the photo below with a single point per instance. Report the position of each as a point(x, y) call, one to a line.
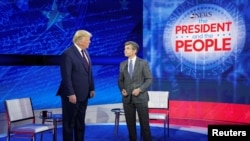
point(204, 40)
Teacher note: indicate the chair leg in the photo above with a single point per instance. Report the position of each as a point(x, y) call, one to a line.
point(117, 120)
point(34, 137)
point(164, 129)
point(54, 131)
point(168, 125)
point(41, 137)
point(8, 137)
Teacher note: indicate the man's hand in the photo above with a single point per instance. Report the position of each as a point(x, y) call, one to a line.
point(136, 92)
point(72, 98)
point(124, 92)
point(91, 94)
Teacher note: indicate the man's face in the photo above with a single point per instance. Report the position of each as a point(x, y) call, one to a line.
point(129, 52)
point(84, 42)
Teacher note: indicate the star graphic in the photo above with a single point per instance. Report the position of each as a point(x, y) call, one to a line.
point(55, 17)
point(124, 4)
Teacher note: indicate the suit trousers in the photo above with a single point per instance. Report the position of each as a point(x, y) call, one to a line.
point(130, 116)
point(73, 120)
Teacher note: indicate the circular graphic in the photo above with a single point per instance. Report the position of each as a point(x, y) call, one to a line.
point(204, 39)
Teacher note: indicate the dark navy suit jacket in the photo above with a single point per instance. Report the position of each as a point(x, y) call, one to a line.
point(76, 78)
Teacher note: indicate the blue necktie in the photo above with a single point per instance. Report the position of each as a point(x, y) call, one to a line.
point(130, 68)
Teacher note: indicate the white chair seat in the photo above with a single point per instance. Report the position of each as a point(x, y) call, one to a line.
point(21, 120)
point(157, 116)
point(33, 128)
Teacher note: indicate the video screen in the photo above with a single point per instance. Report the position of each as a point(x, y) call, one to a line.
point(199, 50)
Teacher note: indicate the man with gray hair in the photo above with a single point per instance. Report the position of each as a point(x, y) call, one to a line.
point(134, 80)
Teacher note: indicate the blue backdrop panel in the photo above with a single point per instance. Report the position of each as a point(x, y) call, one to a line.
point(41, 84)
point(47, 27)
point(36, 32)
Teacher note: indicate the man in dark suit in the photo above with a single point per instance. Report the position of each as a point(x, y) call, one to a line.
point(134, 80)
point(76, 87)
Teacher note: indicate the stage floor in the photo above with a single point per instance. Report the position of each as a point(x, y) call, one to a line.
point(105, 132)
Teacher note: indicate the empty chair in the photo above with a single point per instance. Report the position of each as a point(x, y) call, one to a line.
point(159, 108)
point(21, 119)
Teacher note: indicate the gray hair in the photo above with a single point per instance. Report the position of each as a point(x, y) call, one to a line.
point(134, 45)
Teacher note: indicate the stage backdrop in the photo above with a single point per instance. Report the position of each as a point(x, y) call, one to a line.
point(199, 51)
point(34, 33)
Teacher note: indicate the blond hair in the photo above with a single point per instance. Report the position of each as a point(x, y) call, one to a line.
point(81, 33)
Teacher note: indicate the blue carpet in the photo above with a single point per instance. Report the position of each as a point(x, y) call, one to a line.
point(106, 133)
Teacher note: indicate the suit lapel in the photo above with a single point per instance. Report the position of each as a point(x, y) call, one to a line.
point(79, 56)
point(126, 70)
point(136, 66)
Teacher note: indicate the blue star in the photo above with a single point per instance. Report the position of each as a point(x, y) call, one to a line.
point(55, 17)
point(124, 4)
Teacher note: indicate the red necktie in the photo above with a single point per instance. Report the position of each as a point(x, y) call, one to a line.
point(86, 63)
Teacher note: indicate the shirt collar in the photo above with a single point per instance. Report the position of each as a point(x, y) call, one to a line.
point(78, 48)
point(133, 60)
